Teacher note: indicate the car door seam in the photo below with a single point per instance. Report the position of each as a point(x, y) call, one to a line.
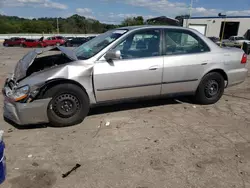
point(145, 85)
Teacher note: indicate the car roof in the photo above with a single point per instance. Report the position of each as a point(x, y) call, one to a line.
point(151, 26)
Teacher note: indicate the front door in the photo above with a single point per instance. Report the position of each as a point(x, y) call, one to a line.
point(185, 56)
point(137, 74)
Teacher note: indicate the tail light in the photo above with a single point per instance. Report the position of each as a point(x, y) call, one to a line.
point(244, 59)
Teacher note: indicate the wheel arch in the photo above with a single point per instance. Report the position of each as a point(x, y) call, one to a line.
point(51, 83)
point(220, 71)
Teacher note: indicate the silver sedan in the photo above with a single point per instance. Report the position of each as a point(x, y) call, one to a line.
point(58, 86)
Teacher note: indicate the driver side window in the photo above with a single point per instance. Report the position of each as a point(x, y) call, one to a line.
point(145, 43)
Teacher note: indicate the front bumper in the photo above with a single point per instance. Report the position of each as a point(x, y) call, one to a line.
point(25, 113)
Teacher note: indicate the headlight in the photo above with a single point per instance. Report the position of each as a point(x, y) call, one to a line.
point(21, 93)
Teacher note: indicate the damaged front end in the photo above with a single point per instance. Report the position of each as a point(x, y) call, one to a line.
point(32, 73)
point(18, 109)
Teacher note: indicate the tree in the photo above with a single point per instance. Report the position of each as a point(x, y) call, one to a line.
point(73, 24)
point(133, 21)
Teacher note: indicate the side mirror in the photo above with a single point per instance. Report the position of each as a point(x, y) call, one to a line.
point(113, 54)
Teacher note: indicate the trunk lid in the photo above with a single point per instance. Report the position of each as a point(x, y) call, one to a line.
point(27, 60)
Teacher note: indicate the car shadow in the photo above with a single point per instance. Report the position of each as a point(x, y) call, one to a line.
point(136, 105)
point(29, 126)
point(109, 108)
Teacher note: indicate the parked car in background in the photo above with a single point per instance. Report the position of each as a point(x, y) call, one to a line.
point(14, 41)
point(33, 43)
point(75, 42)
point(54, 41)
point(235, 41)
point(69, 38)
point(119, 65)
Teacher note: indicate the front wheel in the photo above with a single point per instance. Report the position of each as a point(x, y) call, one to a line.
point(69, 105)
point(211, 88)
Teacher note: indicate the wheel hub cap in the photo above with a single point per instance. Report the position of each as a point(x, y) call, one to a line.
point(212, 88)
point(66, 105)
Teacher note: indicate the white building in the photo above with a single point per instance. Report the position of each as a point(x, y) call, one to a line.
point(213, 26)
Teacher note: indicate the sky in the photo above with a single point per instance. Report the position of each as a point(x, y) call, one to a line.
point(114, 11)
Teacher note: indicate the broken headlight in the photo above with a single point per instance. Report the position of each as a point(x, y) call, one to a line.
point(21, 93)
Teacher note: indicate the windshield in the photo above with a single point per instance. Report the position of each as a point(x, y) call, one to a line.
point(92, 47)
point(239, 38)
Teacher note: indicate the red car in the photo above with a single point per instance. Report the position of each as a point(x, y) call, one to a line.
point(14, 41)
point(30, 43)
point(54, 41)
point(50, 41)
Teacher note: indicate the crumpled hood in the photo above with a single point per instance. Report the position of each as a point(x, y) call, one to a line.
point(27, 60)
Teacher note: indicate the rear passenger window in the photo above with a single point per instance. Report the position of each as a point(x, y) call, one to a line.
point(183, 42)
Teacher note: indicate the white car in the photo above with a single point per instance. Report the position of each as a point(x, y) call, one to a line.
point(235, 41)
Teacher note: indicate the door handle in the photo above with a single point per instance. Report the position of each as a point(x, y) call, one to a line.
point(205, 62)
point(155, 67)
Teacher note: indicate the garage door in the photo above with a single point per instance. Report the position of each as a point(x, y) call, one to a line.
point(200, 28)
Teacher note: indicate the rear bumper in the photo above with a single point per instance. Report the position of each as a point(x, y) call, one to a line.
point(237, 76)
point(24, 113)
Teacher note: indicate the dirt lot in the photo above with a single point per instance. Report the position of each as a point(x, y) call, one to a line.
point(151, 144)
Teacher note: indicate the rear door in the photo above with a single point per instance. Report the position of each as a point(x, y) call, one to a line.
point(185, 56)
point(137, 74)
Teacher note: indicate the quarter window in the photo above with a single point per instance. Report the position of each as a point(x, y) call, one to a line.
point(183, 42)
point(140, 44)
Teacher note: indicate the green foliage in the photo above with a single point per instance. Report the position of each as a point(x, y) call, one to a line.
point(74, 24)
point(133, 21)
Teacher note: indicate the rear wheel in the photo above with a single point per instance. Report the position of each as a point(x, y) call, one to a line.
point(210, 89)
point(69, 105)
point(58, 44)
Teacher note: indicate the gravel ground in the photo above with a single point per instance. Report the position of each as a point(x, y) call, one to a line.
point(150, 144)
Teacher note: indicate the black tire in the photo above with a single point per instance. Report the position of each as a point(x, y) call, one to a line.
point(211, 89)
point(69, 105)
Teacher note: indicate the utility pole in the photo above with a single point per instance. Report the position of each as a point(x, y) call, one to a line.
point(57, 24)
point(224, 26)
point(190, 11)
